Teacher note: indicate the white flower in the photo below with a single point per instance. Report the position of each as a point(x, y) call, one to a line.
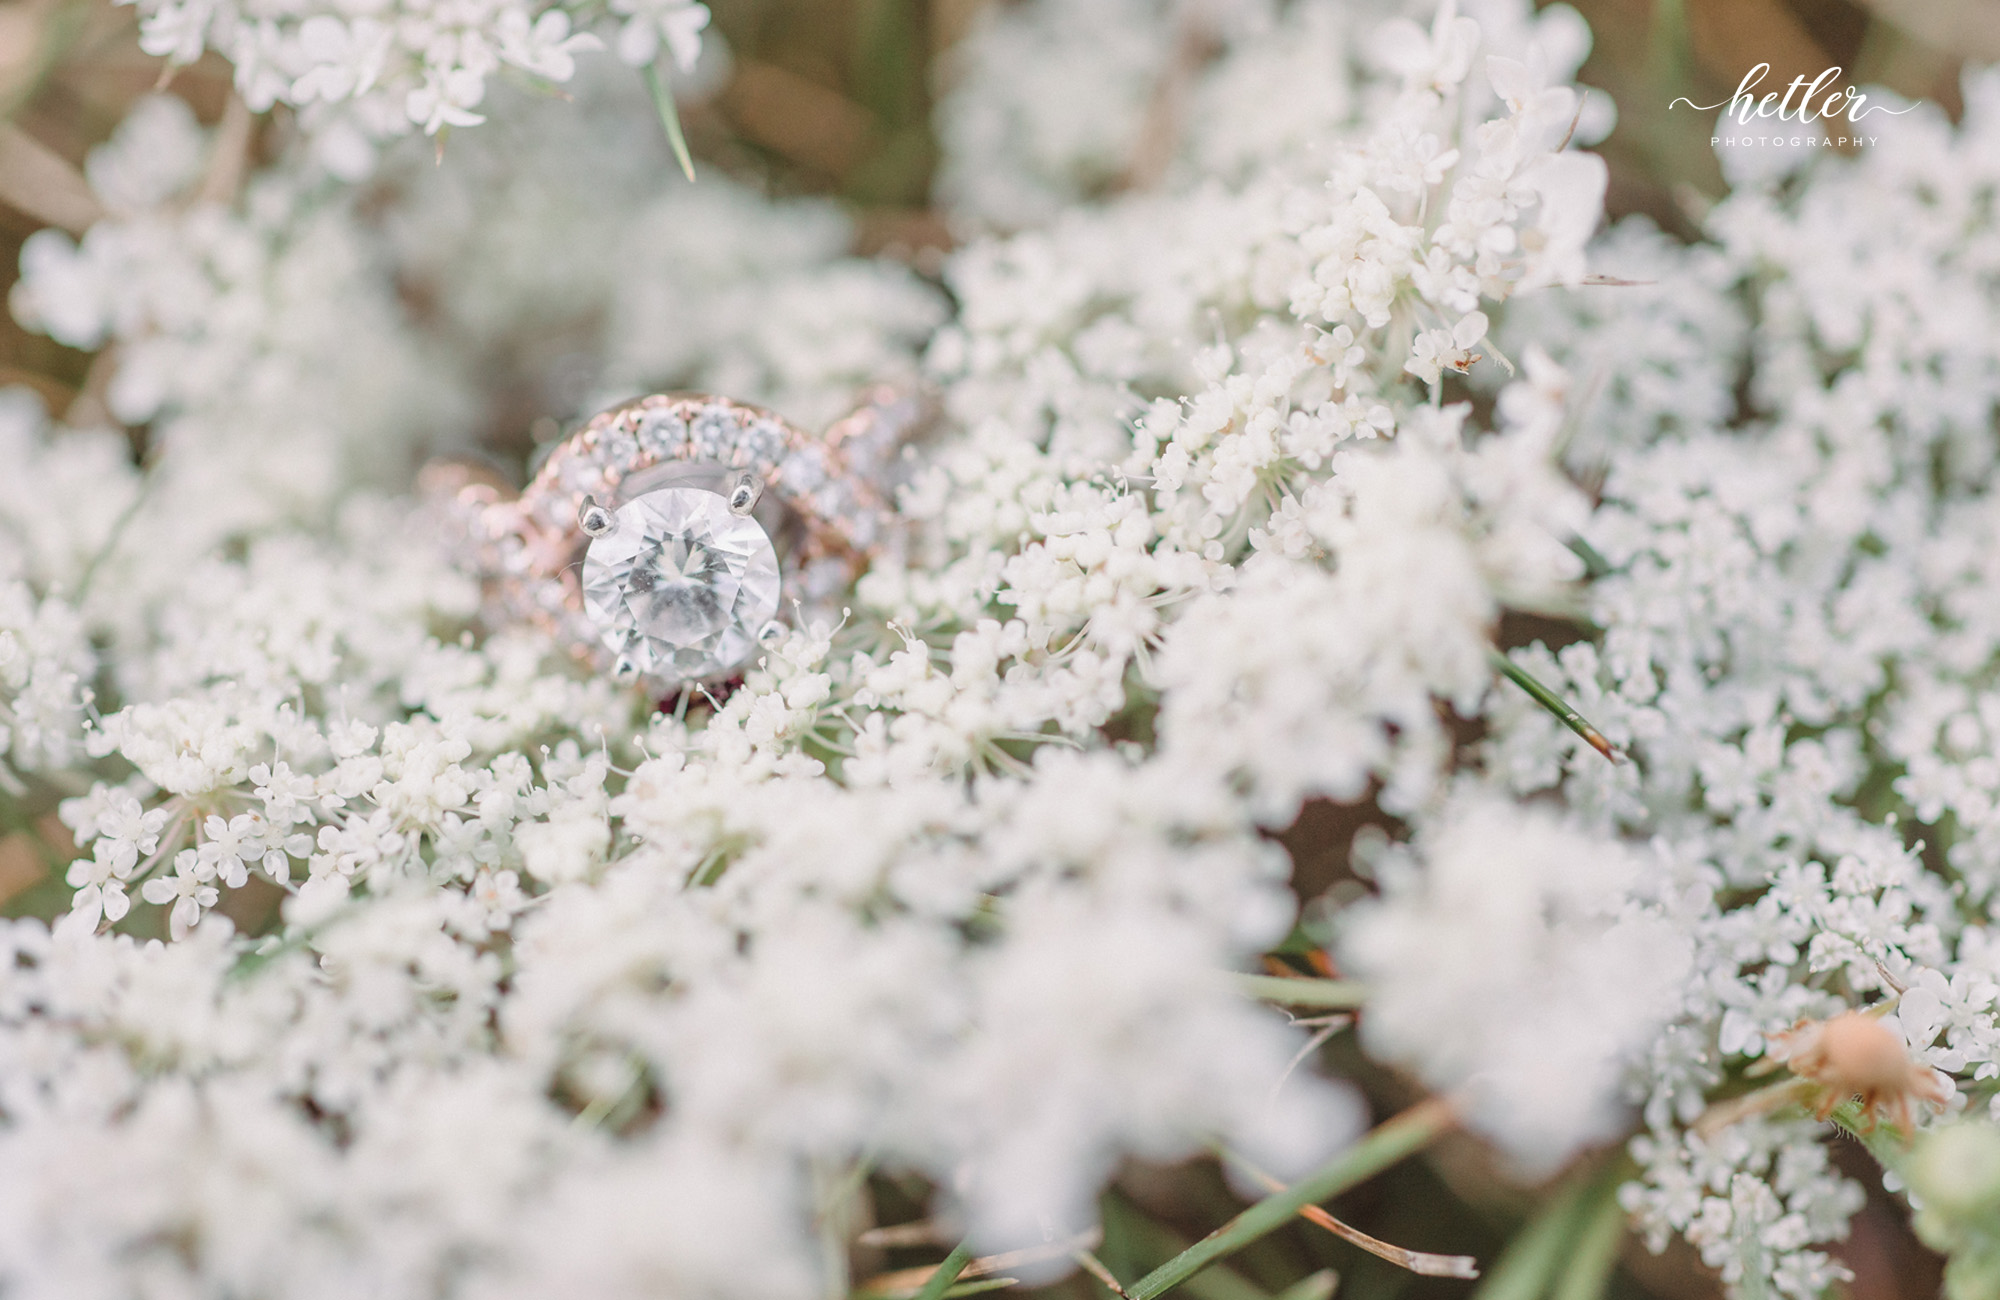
point(545, 46)
point(367, 72)
point(447, 98)
point(154, 155)
point(499, 893)
point(948, 884)
point(187, 889)
point(344, 58)
point(230, 846)
point(99, 881)
point(59, 292)
point(648, 23)
point(1437, 59)
point(177, 30)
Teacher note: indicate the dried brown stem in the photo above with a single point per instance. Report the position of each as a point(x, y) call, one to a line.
point(905, 1281)
point(1094, 1266)
point(1160, 130)
point(1761, 1102)
point(229, 155)
point(924, 1232)
point(42, 183)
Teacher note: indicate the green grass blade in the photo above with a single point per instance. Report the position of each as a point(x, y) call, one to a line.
point(1594, 564)
point(1384, 1146)
point(939, 1283)
point(1528, 1266)
point(1152, 1240)
point(1595, 1251)
point(1554, 703)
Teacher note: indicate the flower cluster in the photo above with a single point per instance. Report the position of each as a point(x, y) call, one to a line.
point(843, 919)
point(363, 73)
point(45, 664)
point(599, 274)
point(1796, 653)
point(261, 341)
point(479, 974)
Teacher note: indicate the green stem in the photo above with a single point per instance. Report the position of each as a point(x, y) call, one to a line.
point(1594, 564)
point(670, 115)
point(1531, 1259)
point(1882, 1142)
point(1554, 703)
point(947, 1273)
point(1148, 1239)
point(1330, 995)
point(1567, 1251)
point(1594, 1253)
point(1388, 1143)
point(103, 552)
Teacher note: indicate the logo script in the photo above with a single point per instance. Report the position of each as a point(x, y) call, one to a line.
point(1838, 101)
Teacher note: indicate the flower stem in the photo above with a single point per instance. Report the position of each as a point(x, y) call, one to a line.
point(1568, 1249)
point(1594, 564)
point(1331, 995)
point(670, 115)
point(1852, 1118)
point(1384, 1146)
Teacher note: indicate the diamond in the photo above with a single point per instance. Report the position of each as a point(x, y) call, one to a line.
point(662, 433)
point(714, 432)
point(621, 446)
point(762, 443)
point(805, 469)
point(680, 587)
point(581, 473)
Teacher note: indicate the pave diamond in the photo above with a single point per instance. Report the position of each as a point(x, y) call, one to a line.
point(680, 587)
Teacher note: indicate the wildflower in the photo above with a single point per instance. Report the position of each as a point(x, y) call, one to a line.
point(545, 46)
point(186, 890)
point(677, 24)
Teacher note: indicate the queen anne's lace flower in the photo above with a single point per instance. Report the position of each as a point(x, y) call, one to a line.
point(860, 905)
point(649, 24)
point(375, 71)
point(46, 667)
point(1574, 977)
point(1791, 622)
point(1251, 436)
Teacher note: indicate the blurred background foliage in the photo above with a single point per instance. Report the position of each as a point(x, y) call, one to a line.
point(833, 97)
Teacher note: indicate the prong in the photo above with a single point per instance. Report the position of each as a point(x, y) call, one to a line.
point(743, 497)
point(594, 519)
point(771, 633)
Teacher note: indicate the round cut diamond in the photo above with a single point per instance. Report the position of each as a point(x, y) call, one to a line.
point(680, 587)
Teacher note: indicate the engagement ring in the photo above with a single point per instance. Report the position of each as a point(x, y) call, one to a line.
point(666, 540)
